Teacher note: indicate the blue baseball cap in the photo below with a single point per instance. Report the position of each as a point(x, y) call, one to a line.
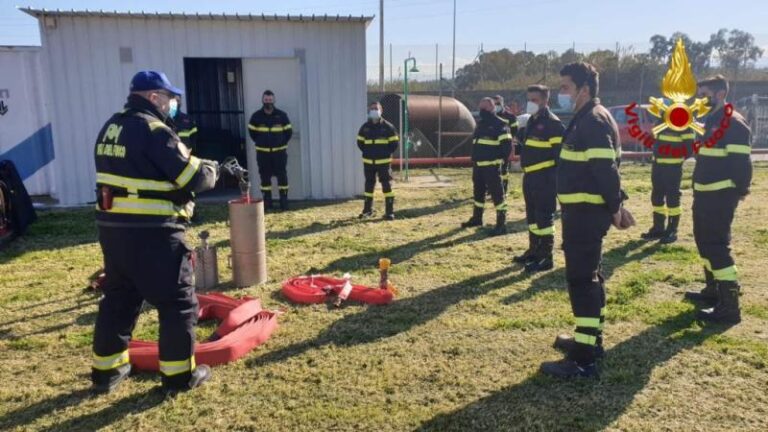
point(153, 80)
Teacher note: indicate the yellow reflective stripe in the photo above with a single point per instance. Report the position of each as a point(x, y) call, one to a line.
point(259, 128)
point(188, 173)
point(688, 136)
point(505, 136)
point(157, 125)
point(738, 148)
point(171, 368)
point(714, 152)
point(381, 141)
point(587, 322)
point(110, 362)
point(726, 274)
point(360, 138)
point(394, 138)
point(585, 339)
point(187, 133)
point(512, 125)
point(144, 206)
point(275, 149)
point(377, 161)
point(531, 142)
point(502, 206)
point(288, 126)
point(662, 210)
point(479, 204)
point(270, 149)
point(556, 140)
point(538, 166)
point(368, 194)
point(389, 194)
point(580, 197)
point(716, 186)
point(583, 156)
point(266, 188)
point(283, 187)
point(486, 141)
point(489, 163)
point(134, 184)
point(550, 230)
point(675, 211)
point(670, 138)
point(669, 161)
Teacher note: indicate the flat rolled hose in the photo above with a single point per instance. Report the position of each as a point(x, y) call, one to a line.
point(318, 289)
point(244, 326)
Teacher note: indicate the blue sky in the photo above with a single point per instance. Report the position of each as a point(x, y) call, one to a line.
point(415, 26)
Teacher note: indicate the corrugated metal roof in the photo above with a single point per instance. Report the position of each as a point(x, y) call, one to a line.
point(196, 16)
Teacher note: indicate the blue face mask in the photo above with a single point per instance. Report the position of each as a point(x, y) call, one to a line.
point(173, 108)
point(565, 101)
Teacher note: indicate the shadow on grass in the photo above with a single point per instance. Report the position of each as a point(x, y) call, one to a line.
point(89, 301)
point(376, 323)
point(115, 411)
point(544, 404)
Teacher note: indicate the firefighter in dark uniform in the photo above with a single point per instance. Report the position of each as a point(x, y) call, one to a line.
point(721, 178)
point(186, 128)
point(589, 191)
point(491, 146)
point(377, 139)
point(270, 130)
point(145, 179)
point(540, 150)
point(511, 121)
point(669, 152)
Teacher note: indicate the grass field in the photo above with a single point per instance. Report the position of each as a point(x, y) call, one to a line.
point(458, 350)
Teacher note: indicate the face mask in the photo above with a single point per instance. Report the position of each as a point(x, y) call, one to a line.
point(173, 108)
point(269, 106)
point(374, 115)
point(565, 101)
point(531, 107)
point(498, 109)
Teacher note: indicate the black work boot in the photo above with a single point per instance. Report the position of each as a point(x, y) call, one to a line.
point(565, 343)
point(727, 310)
point(541, 259)
point(187, 381)
point(105, 381)
point(528, 254)
point(670, 235)
point(657, 230)
point(708, 295)
point(389, 205)
point(501, 224)
point(476, 219)
point(569, 367)
point(268, 203)
point(367, 208)
point(283, 200)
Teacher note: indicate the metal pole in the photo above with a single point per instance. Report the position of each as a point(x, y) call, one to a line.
point(402, 137)
point(440, 116)
point(437, 59)
point(406, 141)
point(391, 77)
point(453, 62)
point(381, 46)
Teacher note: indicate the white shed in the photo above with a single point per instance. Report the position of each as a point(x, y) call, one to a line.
point(314, 64)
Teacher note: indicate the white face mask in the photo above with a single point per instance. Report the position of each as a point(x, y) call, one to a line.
point(531, 107)
point(498, 109)
point(374, 114)
point(565, 101)
point(173, 106)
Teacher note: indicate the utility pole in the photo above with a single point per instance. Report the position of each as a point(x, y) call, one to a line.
point(391, 77)
point(453, 63)
point(440, 116)
point(437, 59)
point(381, 46)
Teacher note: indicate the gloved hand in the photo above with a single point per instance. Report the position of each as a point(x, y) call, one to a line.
point(213, 166)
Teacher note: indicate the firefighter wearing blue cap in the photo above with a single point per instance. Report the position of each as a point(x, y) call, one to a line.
point(145, 181)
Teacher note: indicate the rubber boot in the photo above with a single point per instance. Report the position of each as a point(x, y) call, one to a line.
point(670, 235)
point(528, 254)
point(389, 205)
point(107, 381)
point(727, 310)
point(476, 219)
point(657, 230)
point(708, 295)
point(187, 381)
point(367, 208)
point(565, 343)
point(501, 224)
point(268, 204)
point(284, 200)
point(542, 256)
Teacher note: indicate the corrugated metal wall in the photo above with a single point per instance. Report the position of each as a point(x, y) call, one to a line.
point(88, 83)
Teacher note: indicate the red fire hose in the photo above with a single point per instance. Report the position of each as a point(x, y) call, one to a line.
point(244, 326)
point(318, 289)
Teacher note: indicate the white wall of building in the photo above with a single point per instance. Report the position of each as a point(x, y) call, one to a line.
point(88, 82)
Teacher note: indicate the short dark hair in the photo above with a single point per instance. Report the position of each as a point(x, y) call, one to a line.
point(583, 73)
point(377, 103)
point(540, 89)
point(715, 83)
point(268, 93)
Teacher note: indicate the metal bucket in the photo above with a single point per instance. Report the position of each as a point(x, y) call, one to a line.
point(247, 239)
point(206, 265)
